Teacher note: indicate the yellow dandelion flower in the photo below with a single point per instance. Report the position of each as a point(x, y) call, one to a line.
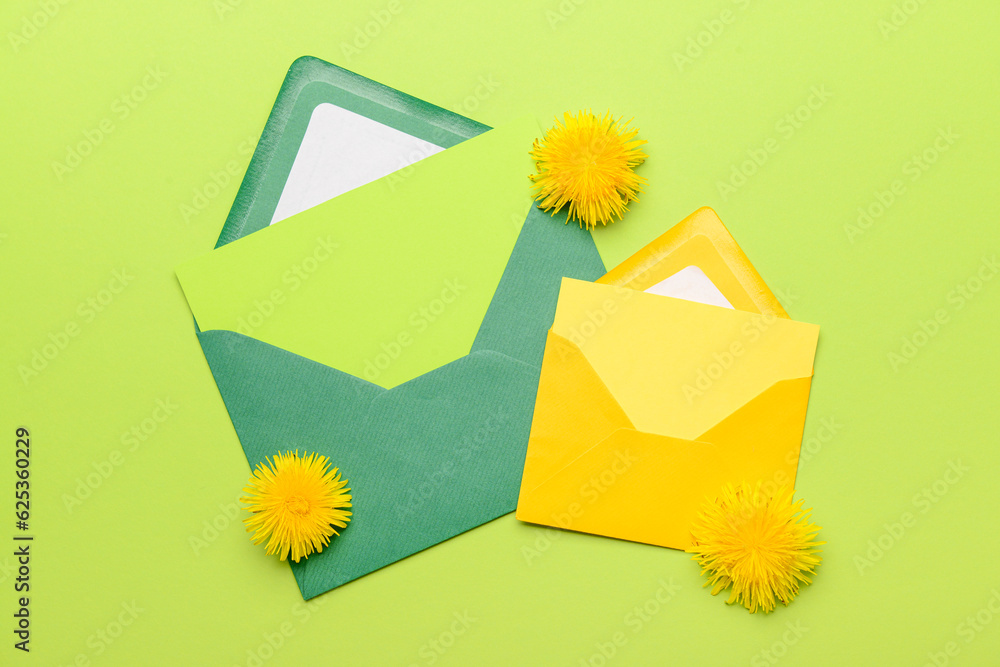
point(587, 162)
point(296, 503)
point(762, 545)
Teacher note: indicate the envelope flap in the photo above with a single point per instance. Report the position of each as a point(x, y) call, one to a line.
point(393, 278)
point(763, 437)
point(632, 485)
point(676, 367)
point(437, 456)
point(573, 405)
point(426, 461)
point(268, 390)
point(699, 240)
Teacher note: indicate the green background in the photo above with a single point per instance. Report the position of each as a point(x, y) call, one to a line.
point(897, 428)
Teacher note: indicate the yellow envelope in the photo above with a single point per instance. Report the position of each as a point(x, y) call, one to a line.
point(647, 404)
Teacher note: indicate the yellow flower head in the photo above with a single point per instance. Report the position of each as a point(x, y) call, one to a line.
point(587, 162)
point(761, 545)
point(296, 504)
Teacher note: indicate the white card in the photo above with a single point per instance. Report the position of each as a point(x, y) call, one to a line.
point(340, 151)
point(691, 284)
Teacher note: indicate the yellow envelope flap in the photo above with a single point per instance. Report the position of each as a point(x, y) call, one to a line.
point(762, 438)
point(699, 240)
point(676, 367)
point(632, 485)
point(572, 406)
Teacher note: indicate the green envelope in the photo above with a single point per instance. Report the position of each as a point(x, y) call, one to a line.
point(397, 329)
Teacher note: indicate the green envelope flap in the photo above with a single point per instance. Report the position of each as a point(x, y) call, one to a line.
point(432, 457)
point(387, 281)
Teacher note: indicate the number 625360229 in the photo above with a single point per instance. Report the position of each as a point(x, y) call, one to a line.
point(22, 487)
